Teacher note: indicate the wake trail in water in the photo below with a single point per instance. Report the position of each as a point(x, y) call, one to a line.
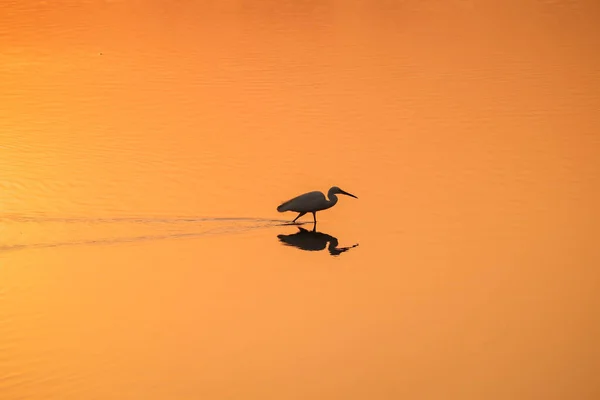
point(140, 220)
point(19, 232)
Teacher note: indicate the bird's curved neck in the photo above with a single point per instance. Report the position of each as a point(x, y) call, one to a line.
point(333, 243)
point(332, 199)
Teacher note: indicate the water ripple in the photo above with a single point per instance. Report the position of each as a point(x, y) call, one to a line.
point(22, 232)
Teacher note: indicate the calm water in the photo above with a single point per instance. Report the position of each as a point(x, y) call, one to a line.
point(144, 147)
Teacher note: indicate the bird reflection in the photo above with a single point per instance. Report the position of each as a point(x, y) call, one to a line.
point(313, 241)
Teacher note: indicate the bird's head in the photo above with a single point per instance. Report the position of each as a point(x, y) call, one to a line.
point(336, 190)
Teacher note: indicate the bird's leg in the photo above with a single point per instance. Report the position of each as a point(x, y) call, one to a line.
point(299, 215)
point(314, 213)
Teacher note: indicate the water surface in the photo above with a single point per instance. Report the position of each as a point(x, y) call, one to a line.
point(144, 147)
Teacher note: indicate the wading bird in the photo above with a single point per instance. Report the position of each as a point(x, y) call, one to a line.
point(312, 202)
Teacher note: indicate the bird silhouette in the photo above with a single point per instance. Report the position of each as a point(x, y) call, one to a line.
point(312, 202)
point(313, 241)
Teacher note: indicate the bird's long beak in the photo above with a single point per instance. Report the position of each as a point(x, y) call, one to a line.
point(348, 194)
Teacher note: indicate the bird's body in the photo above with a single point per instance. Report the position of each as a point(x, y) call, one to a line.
point(308, 202)
point(312, 202)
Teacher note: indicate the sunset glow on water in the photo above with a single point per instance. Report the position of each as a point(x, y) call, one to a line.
point(145, 147)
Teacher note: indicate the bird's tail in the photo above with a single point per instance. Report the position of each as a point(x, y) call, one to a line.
point(283, 207)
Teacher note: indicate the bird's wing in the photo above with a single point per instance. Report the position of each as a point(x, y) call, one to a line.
point(283, 206)
point(304, 203)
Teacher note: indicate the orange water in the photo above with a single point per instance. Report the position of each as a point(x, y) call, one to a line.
point(144, 147)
